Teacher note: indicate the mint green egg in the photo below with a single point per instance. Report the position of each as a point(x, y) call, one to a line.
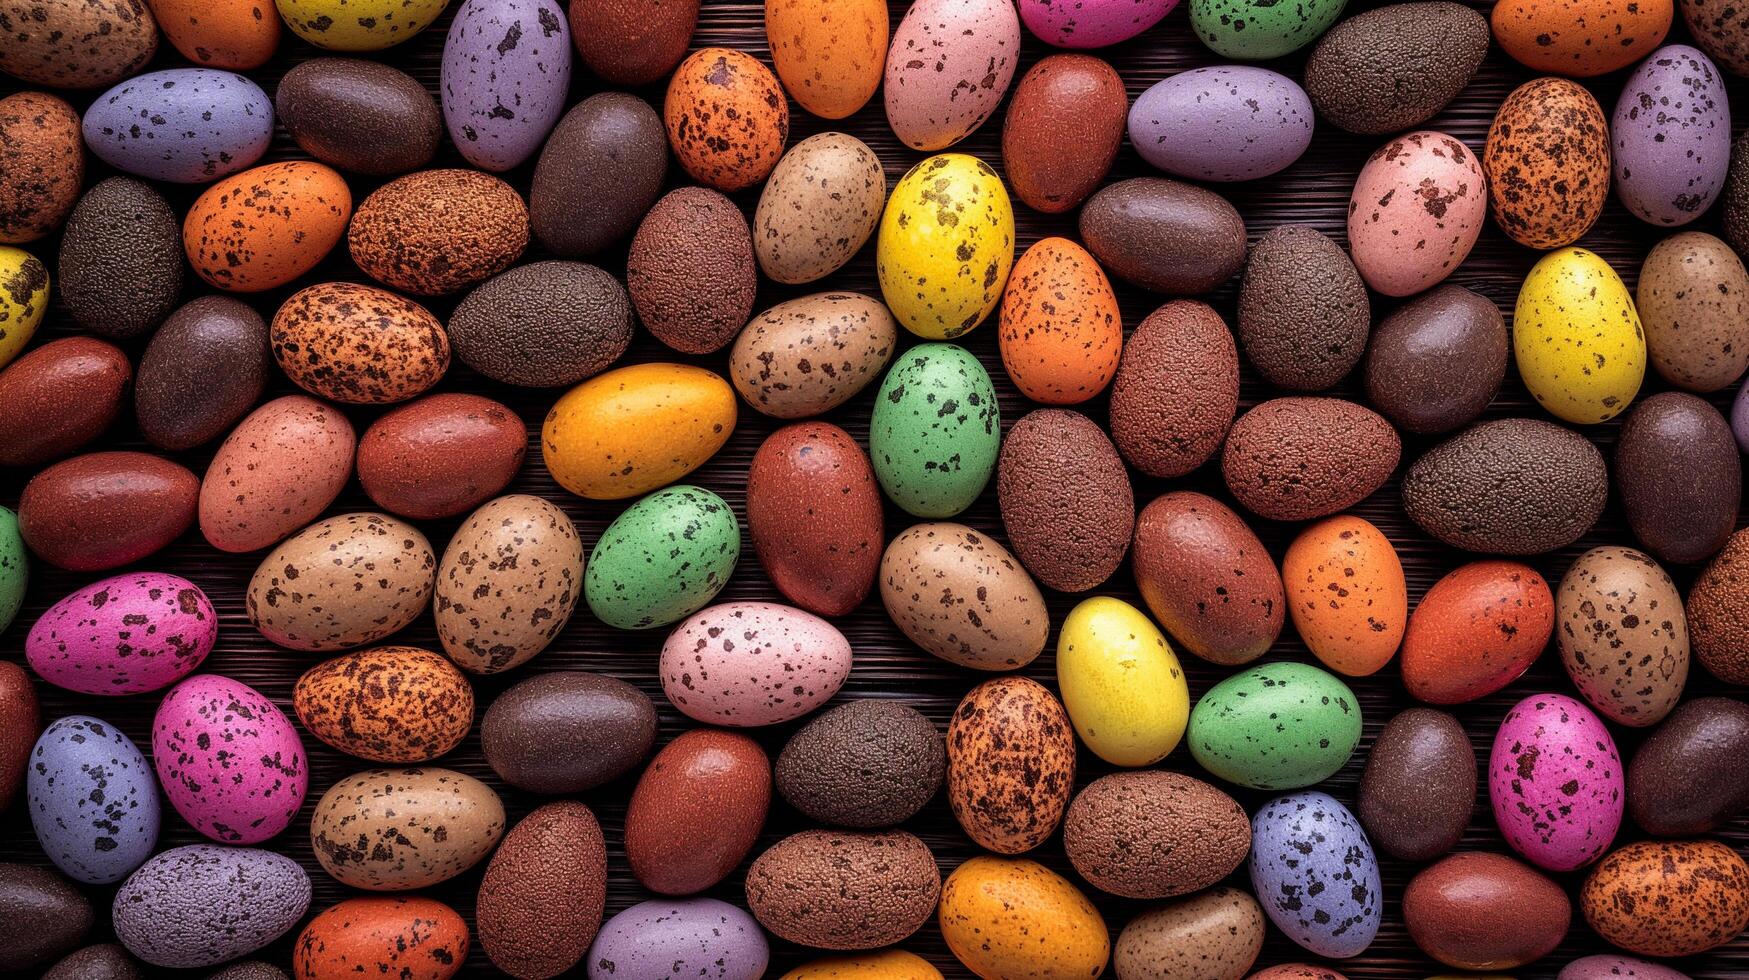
point(936, 430)
point(1275, 726)
point(14, 568)
point(663, 559)
point(1254, 30)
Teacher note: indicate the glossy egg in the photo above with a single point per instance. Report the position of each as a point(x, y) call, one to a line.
point(41, 146)
point(499, 54)
point(1207, 578)
point(935, 431)
point(1346, 594)
point(1316, 874)
point(1547, 161)
point(1671, 137)
point(1005, 917)
point(1438, 360)
point(124, 635)
point(407, 938)
point(229, 760)
point(1253, 30)
point(204, 369)
point(276, 472)
point(727, 118)
point(201, 905)
point(1096, 24)
point(23, 301)
point(960, 595)
point(1481, 911)
point(387, 704)
point(567, 731)
point(358, 344)
point(342, 582)
point(830, 54)
point(1417, 207)
point(1478, 629)
point(697, 810)
point(946, 245)
point(814, 516)
point(1121, 683)
point(948, 67)
point(1668, 898)
point(1623, 634)
point(1692, 294)
point(1689, 776)
point(436, 232)
point(773, 363)
point(1010, 764)
point(64, 919)
point(820, 206)
point(359, 25)
point(1061, 330)
point(507, 583)
point(662, 559)
point(1418, 790)
point(1276, 726)
point(1564, 37)
point(886, 964)
point(1680, 476)
point(1062, 131)
point(1216, 935)
point(440, 456)
point(1555, 782)
point(1164, 235)
point(637, 428)
point(542, 897)
point(237, 36)
point(182, 125)
point(700, 936)
point(357, 115)
point(93, 801)
point(104, 510)
point(748, 664)
point(14, 577)
point(265, 227)
point(1576, 338)
point(80, 45)
point(402, 829)
point(1233, 122)
point(601, 169)
point(60, 397)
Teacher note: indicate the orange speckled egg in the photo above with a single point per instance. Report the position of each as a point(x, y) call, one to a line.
point(265, 227)
point(404, 938)
point(234, 34)
point(1547, 162)
point(1296, 971)
point(1061, 332)
point(42, 164)
point(1477, 630)
point(830, 53)
point(727, 118)
point(1580, 37)
point(358, 344)
point(1346, 594)
point(388, 704)
point(637, 428)
point(1668, 898)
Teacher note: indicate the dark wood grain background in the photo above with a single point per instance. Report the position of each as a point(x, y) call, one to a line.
point(1313, 191)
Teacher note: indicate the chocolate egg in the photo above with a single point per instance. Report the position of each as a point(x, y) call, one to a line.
point(1154, 834)
point(844, 890)
point(1680, 476)
point(435, 232)
point(1062, 131)
point(691, 272)
point(543, 325)
point(1419, 786)
point(1065, 499)
point(604, 163)
point(1010, 764)
point(52, 916)
point(567, 731)
point(276, 472)
point(359, 115)
point(59, 397)
point(1176, 389)
point(814, 516)
point(103, 510)
point(1718, 607)
point(543, 894)
point(697, 810)
point(1303, 309)
point(1479, 911)
point(20, 723)
point(1207, 578)
point(1293, 459)
point(120, 268)
point(1163, 235)
point(358, 344)
point(1395, 67)
point(864, 764)
point(387, 704)
point(1435, 363)
point(1690, 777)
point(1460, 491)
point(632, 43)
point(203, 371)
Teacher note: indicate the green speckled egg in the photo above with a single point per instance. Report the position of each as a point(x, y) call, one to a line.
point(14, 568)
point(1275, 726)
point(935, 431)
point(662, 560)
point(1253, 30)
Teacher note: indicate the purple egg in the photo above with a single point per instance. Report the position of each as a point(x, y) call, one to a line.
point(1091, 23)
point(93, 801)
point(203, 904)
point(1555, 782)
point(124, 635)
point(506, 71)
point(700, 938)
point(1740, 417)
point(1606, 967)
point(1315, 873)
point(183, 125)
point(1232, 122)
point(1671, 137)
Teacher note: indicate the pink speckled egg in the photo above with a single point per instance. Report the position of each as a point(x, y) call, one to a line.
point(124, 635)
point(1555, 782)
point(745, 664)
point(948, 67)
point(1417, 208)
point(229, 759)
point(1091, 23)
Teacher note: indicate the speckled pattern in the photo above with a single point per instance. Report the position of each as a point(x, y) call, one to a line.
point(506, 74)
point(691, 271)
point(437, 232)
point(1010, 764)
point(727, 118)
point(230, 761)
point(204, 904)
point(1346, 594)
point(1176, 389)
point(388, 704)
point(960, 595)
point(1395, 67)
point(342, 582)
point(1280, 725)
point(124, 635)
point(83, 44)
point(1064, 126)
point(1293, 459)
point(819, 207)
point(1207, 578)
point(1547, 160)
point(749, 664)
point(1580, 37)
point(1477, 630)
point(276, 472)
point(358, 344)
point(1417, 208)
point(946, 246)
point(1216, 935)
point(1258, 29)
point(43, 158)
point(404, 938)
point(1091, 23)
point(507, 583)
point(936, 430)
point(1721, 30)
point(830, 54)
point(542, 894)
point(1692, 289)
point(697, 810)
point(1555, 782)
point(842, 890)
point(181, 125)
point(1065, 499)
point(358, 25)
point(266, 227)
point(1668, 898)
point(1671, 137)
point(948, 65)
point(1061, 331)
point(1315, 873)
point(1304, 314)
point(237, 36)
point(701, 938)
point(814, 517)
point(93, 800)
point(662, 559)
point(24, 297)
point(1235, 122)
point(1152, 834)
point(402, 829)
point(1164, 236)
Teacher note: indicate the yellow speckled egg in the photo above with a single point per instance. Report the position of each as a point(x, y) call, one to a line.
point(637, 428)
point(888, 964)
point(1010, 917)
point(24, 295)
point(946, 245)
point(829, 53)
point(1577, 337)
point(1121, 683)
point(359, 25)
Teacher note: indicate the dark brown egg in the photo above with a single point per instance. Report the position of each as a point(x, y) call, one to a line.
point(441, 456)
point(102, 510)
point(1164, 235)
point(1293, 459)
point(438, 231)
point(544, 891)
point(1419, 786)
point(1437, 361)
point(58, 397)
point(1395, 67)
point(46, 917)
point(1065, 499)
point(691, 271)
point(120, 270)
point(869, 763)
point(1485, 912)
point(204, 369)
point(1207, 578)
point(1176, 389)
point(599, 172)
point(42, 165)
point(543, 324)
point(814, 515)
point(1680, 475)
point(1303, 310)
point(697, 811)
point(1692, 774)
point(1153, 834)
point(632, 42)
point(567, 732)
point(1064, 125)
point(843, 890)
point(359, 115)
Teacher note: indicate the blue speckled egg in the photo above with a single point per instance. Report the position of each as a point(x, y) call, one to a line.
point(1315, 873)
point(506, 72)
point(93, 800)
point(203, 904)
point(699, 938)
point(1229, 122)
point(183, 125)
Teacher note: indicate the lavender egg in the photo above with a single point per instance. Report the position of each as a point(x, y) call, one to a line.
point(1555, 782)
point(124, 635)
point(1604, 966)
point(506, 72)
point(1091, 23)
point(1315, 873)
point(229, 759)
point(1671, 137)
point(700, 938)
point(1740, 418)
point(1231, 122)
point(93, 802)
point(203, 904)
point(183, 125)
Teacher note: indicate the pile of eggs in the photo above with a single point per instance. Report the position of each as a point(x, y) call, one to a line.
point(181, 320)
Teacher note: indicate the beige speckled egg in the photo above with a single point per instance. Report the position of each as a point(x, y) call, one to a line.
point(813, 354)
point(960, 595)
point(435, 232)
point(1547, 161)
point(1010, 764)
point(819, 207)
point(1693, 300)
point(277, 471)
point(42, 164)
point(1623, 634)
point(359, 344)
point(76, 43)
point(727, 118)
point(1417, 207)
point(948, 67)
point(1212, 936)
point(1668, 898)
point(387, 830)
point(829, 53)
point(265, 227)
point(342, 582)
point(388, 704)
point(507, 583)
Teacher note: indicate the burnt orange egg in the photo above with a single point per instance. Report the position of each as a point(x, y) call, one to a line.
point(1668, 898)
point(1061, 332)
point(1477, 630)
point(265, 227)
point(727, 118)
point(234, 34)
point(1346, 594)
point(1580, 38)
point(1547, 163)
point(404, 938)
point(42, 164)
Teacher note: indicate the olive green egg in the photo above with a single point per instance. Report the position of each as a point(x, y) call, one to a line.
point(935, 431)
point(14, 568)
point(1275, 726)
point(1254, 30)
point(663, 559)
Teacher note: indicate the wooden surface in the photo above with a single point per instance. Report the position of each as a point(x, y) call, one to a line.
point(1314, 191)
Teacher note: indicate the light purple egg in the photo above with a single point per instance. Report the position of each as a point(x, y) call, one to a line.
point(1091, 23)
point(699, 938)
point(1231, 122)
point(183, 125)
point(1555, 782)
point(93, 801)
point(1606, 967)
point(229, 759)
point(202, 904)
point(506, 72)
point(1740, 417)
point(124, 635)
point(746, 664)
point(1315, 873)
point(1671, 136)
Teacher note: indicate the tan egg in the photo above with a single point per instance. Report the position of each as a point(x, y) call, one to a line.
point(42, 164)
point(388, 704)
point(387, 830)
point(1668, 898)
point(359, 344)
point(829, 53)
point(507, 583)
point(813, 354)
point(76, 43)
point(1693, 301)
point(262, 228)
point(234, 34)
point(1212, 936)
point(727, 118)
point(819, 208)
point(1623, 635)
point(958, 594)
point(342, 582)
point(277, 471)
point(1010, 764)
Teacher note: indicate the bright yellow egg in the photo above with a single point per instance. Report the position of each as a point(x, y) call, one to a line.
point(946, 245)
point(1577, 337)
point(24, 295)
point(1010, 917)
point(359, 25)
point(635, 429)
point(888, 964)
point(1121, 683)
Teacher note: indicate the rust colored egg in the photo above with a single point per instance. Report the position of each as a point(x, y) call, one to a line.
point(727, 118)
point(436, 232)
point(389, 704)
point(1010, 764)
point(239, 35)
point(1485, 912)
point(1547, 163)
point(358, 344)
point(42, 165)
point(1668, 898)
point(1477, 630)
point(1065, 499)
point(814, 514)
point(404, 938)
point(441, 456)
point(541, 900)
point(103, 510)
point(265, 227)
point(20, 723)
point(632, 42)
point(276, 472)
point(697, 811)
point(1207, 578)
point(58, 397)
point(1061, 333)
point(1063, 129)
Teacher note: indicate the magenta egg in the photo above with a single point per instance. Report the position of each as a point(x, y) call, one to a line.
point(1555, 782)
point(229, 759)
point(124, 635)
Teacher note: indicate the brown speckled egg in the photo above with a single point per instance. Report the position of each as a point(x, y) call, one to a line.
point(1623, 635)
point(1547, 162)
point(543, 894)
point(239, 35)
point(1693, 298)
point(1065, 499)
point(1580, 37)
point(1176, 389)
point(1721, 30)
point(1668, 898)
point(1207, 578)
point(1297, 971)
point(1010, 764)
point(1293, 459)
point(342, 582)
point(1063, 129)
point(405, 938)
point(102, 510)
point(58, 397)
point(438, 231)
point(507, 583)
point(697, 810)
point(389, 830)
point(727, 118)
point(277, 471)
point(819, 208)
point(1061, 333)
point(441, 455)
point(264, 227)
point(1212, 936)
point(1154, 834)
point(388, 704)
point(359, 344)
point(960, 595)
point(42, 165)
point(844, 890)
point(76, 43)
point(691, 272)
point(813, 354)
point(814, 515)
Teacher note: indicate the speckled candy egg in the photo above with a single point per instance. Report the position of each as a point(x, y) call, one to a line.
point(401, 829)
point(124, 635)
point(886, 964)
point(1555, 782)
point(1016, 918)
point(1692, 297)
point(960, 595)
point(727, 118)
point(1668, 898)
point(93, 801)
point(829, 53)
point(662, 559)
point(1215, 935)
point(696, 937)
point(70, 44)
point(1346, 594)
point(1478, 629)
point(266, 227)
point(436, 232)
point(1277, 726)
point(636, 428)
point(820, 206)
point(541, 899)
point(1230, 122)
point(229, 759)
point(1091, 23)
point(1255, 30)
point(1316, 874)
point(946, 245)
point(24, 298)
point(1604, 966)
point(406, 938)
point(342, 582)
point(1671, 136)
point(1010, 764)
point(1576, 338)
point(844, 890)
point(203, 904)
point(358, 344)
point(697, 810)
point(1547, 161)
point(1417, 207)
point(183, 125)
point(1062, 131)
point(1061, 331)
point(441, 456)
point(237, 36)
point(814, 515)
point(1154, 834)
point(507, 583)
point(1207, 578)
point(280, 468)
point(506, 73)
point(947, 69)
point(1623, 635)
point(44, 159)
point(935, 431)
point(389, 704)
point(359, 25)
point(776, 355)
point(1581, 38)
point(1121, 683)
point(747, 664)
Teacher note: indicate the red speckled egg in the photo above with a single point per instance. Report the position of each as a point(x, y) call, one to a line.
point(403, 938)
point(441, 456)
point(42, 164)
point(1476, 631)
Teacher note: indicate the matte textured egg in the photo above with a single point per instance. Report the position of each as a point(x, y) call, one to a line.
point(1716, 611)
point(727, 118)
point(1065, 499)
point(1416, 210)
point(1293, 459)
point(1061, 331)
point(1478, 629)
point(1576, 338)
point(691, 271)
point(201, 905)
point(120, 267)
point(632, 43)
point(128, 634)
point(64, 44)
point(1062, 131)
point(1668, 898)
point(266, 227)
point(1226, 123)
point(948, 67)
point(1547, 160)
point(276, 472)
point(1154, 834)
point(1304, 314)
point(946, 246)
point(1346, 594)
point(1121, 683)
point(844, 890)
point(637, 428)
point(867, 764)
point(1555, 782)
point(1176, 389)
point(1395, 67)
point(543, 324)
point(43, 155)
point(1720, 32)
point(543, 893)
point(436, 232)
point(1010, 764)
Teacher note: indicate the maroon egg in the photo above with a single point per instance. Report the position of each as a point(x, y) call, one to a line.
point(1176, 389)
point(59, 397)
point(1207, 578)
point(814, 513)
point(441, 456)
point(1485, 912)
point(1293, 459)
point(697, 811)
point(20, 723)
point(1065, 499)
point(544, 891)
point(1063, 129)
point(103, 510)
